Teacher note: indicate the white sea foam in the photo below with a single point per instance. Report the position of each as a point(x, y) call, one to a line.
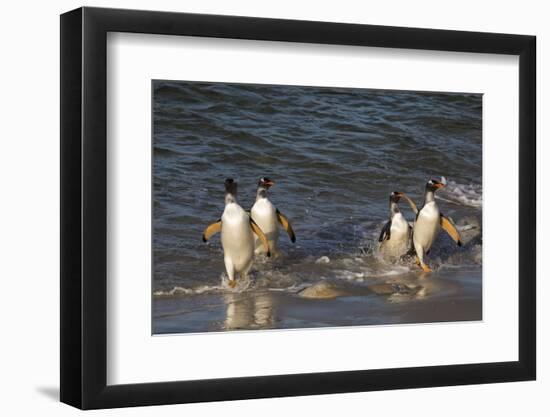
point(323, 260)
point(396, 270)
point(375, 271)
point(188, 291)
point(467, 195)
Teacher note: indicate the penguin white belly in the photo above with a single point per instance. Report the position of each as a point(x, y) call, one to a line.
point(426, 226)
point(264, 213)
point(237, 238)
point(398, 243)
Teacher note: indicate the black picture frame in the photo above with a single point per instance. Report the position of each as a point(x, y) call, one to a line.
point(84, 207)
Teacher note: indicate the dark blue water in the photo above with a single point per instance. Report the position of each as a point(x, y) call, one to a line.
point(335, 155)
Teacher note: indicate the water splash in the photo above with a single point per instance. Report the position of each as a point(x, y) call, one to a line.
point(463, 194)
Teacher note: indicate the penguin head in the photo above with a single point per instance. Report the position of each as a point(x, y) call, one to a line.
point(434, 185)
point(230, 186)
point(395, 196)
point(265, 182)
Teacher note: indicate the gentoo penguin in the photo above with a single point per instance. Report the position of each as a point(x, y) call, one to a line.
point(237, 235)
point(429, 221)
point(395, 235)
point(266, 215)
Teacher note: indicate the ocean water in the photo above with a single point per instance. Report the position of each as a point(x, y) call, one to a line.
point(335, 155)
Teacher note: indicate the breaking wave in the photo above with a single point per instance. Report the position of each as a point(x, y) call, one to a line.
point(468, 195)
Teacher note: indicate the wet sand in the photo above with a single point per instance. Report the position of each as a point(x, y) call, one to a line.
point(446, 295)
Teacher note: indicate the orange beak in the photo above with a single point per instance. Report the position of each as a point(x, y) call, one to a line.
point(268, 183)
point(439, 185)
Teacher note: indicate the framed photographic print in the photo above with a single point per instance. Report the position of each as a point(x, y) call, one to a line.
point(257, 207)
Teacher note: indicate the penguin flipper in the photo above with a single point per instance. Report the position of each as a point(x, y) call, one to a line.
point(286, 225)
point(212, 230)
point(449, 227)
point(385, 232)
point(256, 229)
point(412, 204)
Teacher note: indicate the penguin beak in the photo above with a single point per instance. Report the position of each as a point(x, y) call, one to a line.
point(268, 183)
point(439, 185)
point(395, 196)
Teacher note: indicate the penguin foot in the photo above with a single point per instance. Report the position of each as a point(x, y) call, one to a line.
point(232, 283)
point(425, 267)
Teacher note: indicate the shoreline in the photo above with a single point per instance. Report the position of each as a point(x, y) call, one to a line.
point(445, 296)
